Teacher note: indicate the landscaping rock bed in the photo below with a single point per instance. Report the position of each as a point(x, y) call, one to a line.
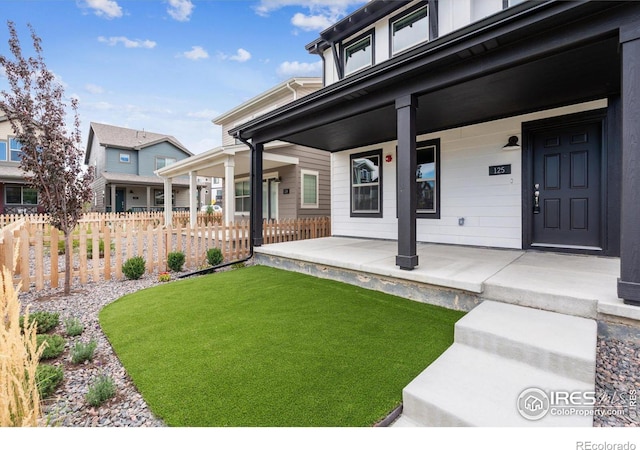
point(617, 371)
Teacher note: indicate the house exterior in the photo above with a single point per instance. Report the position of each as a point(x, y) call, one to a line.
point(16, 197)
point(492, 123)
point(124, 161)
point(295, 179)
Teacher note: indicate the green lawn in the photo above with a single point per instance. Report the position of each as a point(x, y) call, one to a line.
point(264, 347)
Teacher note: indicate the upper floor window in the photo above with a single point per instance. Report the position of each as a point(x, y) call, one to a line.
point(358, 55)
point(366, 184)
point(409, 29)
point(163, 162)
point(14, 148)
point(3, 150)
point(125, 158)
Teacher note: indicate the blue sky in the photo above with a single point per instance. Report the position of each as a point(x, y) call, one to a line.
point(170, 66)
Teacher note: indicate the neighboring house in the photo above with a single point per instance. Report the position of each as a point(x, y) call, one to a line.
point(487, 122)
point(16, 197)
point(124, 161)
point(295, 179)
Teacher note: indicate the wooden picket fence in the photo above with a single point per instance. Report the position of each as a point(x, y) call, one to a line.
point(35, 245)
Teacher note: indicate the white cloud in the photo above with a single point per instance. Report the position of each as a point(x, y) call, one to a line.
point(196, 53)
point(105, 8)
point(180, 9)
point(311, 23)
point(204, 114)
point(128, 43)
point(241, 55)
point(296, 69)
point(93, 88)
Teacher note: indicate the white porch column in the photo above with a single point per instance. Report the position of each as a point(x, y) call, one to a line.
point(113, 198)
point(168, 211)
point(229, 190)
point(149, 198)
point(193, 198)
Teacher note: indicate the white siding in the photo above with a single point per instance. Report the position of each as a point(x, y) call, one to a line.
point(490, 205)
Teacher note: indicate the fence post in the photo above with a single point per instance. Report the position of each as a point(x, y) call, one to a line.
point(107, 251)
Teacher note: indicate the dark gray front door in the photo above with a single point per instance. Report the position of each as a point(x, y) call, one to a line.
point(567, 172)
point(120, 196)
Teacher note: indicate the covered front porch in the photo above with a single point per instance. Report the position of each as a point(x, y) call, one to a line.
point(460, 277)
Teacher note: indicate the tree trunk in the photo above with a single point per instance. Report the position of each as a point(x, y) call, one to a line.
point(68, 257)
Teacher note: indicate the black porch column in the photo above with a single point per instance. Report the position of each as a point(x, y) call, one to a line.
point(256, 193)
point(406, 106)
point(629, 281)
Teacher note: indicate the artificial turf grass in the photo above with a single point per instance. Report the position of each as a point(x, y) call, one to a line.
point(265, 347)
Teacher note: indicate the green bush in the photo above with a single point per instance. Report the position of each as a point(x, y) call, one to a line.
point(73, 326)
point(133, 268)
point(175, 261)
point(101, 390)
point(214, 256)
point(83, 351)
point(48, 378)
point(54, 347)
point(45, 321)
point(62, 249)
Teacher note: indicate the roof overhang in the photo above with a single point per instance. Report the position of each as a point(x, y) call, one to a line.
point(212, 162)
point(538, 56)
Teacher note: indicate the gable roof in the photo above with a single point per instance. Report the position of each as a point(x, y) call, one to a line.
point(127, 138)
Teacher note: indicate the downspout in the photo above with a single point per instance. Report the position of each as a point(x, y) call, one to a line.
point(295, 93)
point(324, 64)
point(209, 270)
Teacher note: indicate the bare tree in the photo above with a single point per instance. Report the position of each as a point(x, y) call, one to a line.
point(51, 155)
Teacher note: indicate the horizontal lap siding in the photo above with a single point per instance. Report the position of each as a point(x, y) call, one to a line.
point(490, 205)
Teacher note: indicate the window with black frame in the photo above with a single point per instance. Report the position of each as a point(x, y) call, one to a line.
point(366, 184)
point(427, 179)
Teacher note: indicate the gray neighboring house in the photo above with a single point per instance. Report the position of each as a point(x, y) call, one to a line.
point(124, 161)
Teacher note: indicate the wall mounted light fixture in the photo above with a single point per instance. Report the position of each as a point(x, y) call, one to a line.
point(512, 144)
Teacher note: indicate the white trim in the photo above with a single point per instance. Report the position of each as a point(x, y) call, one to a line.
point(316, 174)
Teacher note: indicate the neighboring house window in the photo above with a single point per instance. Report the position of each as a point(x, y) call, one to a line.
point(366, 184)
point(158, 197)
point(14, 147)
point(3, 150)
point(163, 162)
point(410, 29)
point(358, 55)
point(428, 179)
point(309, 188)
point(20, 195)
point(243, 197)
point(125, 158)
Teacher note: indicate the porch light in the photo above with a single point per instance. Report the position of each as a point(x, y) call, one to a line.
point(512, 144)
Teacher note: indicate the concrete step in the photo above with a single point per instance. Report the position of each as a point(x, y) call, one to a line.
point(471, 387)
point(558, 343)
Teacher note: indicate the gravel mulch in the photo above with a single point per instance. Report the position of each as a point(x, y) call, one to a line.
point(617, 366)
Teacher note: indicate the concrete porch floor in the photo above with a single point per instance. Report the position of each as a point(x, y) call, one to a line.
point(460, 277)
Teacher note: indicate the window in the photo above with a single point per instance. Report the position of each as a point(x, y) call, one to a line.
point(366, 184)
point(14, 147)
point(309, 189)
point(158, 197)
point(125, 158)
point(3, 150)
point(358, 55)
point(428, 179)
point(163, 162)
point(409, 30)
point(20, 195)
point(243, 197)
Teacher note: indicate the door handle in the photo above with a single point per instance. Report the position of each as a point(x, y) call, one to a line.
point(536, 199)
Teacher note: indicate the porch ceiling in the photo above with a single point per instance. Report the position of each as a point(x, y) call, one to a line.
point(542, 59)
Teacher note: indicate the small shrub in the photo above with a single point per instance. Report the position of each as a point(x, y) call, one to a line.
point(100, 248)
point(45, 321)
point(210, 210)
point(73, 326)
point(83, 351)
point(62, 246)
point(133, 268)
point(101, 390)
point(164, 276)
point(175, 261)
point(214, 256)
point(54, 347)
point(48, 378)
